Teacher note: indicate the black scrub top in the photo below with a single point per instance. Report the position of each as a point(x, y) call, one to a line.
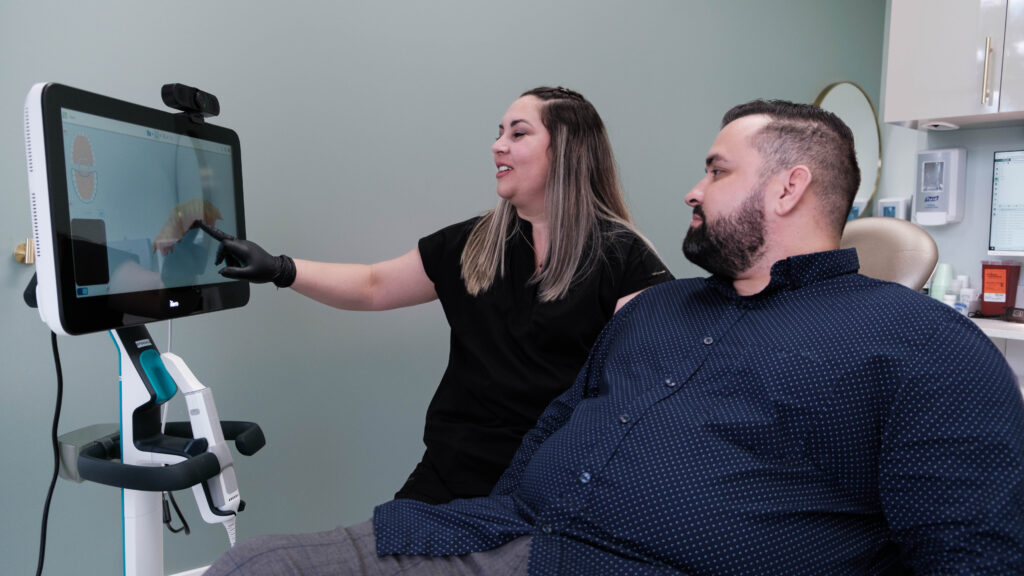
point(510, 354)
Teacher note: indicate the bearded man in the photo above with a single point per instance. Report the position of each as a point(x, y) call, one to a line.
point(786, 415)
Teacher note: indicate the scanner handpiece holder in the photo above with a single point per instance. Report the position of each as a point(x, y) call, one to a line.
point(155, 458)
point(218, 497)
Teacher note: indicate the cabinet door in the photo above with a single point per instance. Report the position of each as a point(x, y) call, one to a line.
point(936, 61)
point(1011, 93)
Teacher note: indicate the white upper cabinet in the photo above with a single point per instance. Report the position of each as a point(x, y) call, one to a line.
point(955, 61)
point(1012, 96)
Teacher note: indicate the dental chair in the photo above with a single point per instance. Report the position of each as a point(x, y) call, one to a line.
point(892, 249)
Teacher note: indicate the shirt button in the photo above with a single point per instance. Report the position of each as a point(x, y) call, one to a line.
point(624, 418)
point(546, 529)
point(708, 340)
point(670, 382)
point(585, 477)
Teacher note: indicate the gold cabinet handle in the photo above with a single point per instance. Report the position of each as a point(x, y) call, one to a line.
point(26, 252)
point(985, 94)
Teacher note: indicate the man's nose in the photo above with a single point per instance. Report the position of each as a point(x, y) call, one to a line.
point(695, 196)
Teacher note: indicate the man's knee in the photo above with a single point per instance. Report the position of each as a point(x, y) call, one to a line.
point(258, 556)
point(345, 550)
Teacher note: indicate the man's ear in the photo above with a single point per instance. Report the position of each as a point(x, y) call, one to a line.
point(795, 182)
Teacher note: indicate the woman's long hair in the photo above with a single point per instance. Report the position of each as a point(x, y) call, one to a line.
point(582, 191)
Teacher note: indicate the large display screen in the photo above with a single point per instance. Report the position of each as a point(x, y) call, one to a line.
point(1006, 226)
point(125, 188)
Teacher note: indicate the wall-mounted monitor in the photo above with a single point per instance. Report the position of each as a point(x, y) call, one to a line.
point(1006, 223)
point(116, 192)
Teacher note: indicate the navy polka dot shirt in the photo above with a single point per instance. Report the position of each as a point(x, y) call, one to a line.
point(831, 424)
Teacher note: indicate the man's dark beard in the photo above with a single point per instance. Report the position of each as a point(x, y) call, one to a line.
point(729, 245)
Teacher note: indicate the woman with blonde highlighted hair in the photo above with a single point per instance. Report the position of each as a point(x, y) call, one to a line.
point(526, 287)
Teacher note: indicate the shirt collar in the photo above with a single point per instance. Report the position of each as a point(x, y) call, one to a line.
point(523, 224)
point(797, 271)
point(520, 234)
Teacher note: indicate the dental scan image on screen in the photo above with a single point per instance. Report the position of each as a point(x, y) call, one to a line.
point(135, 195)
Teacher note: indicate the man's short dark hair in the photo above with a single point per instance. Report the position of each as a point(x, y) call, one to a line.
point(807, 134)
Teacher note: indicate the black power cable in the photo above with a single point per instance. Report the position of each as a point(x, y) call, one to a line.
point(56, 453)
point(167, 515)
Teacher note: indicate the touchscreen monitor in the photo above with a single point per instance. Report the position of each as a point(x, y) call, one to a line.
point(1006, 223)
point(117, 191)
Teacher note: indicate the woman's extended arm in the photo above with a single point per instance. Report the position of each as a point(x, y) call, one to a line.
point(385, 285)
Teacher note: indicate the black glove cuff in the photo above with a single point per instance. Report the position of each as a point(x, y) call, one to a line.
point(285, 276)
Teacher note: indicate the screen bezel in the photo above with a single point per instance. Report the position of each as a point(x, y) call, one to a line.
point(111, 311)
point(994, 251)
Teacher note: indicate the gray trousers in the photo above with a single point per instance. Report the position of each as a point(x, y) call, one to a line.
point(352, 550)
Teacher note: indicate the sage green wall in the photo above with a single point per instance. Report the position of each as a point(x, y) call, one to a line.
point(364, 126)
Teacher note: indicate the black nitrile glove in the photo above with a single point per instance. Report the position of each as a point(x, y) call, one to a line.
point(247, 261)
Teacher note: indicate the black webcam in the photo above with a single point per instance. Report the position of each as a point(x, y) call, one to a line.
point(192, 101)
